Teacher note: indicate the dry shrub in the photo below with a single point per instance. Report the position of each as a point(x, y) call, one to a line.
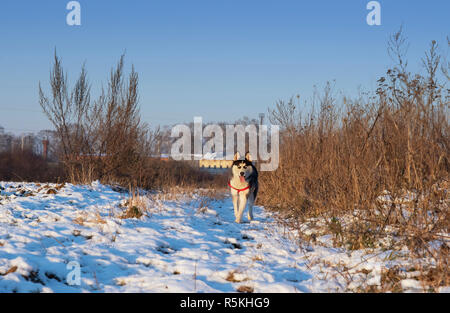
point(132, 212)
point(236, 276)
point(27, 166)
point(231, 278)
point(205, 197)
point(161, 174)
point(136, 204)
point(245, 289)
point(340, 160)
point(93, 219)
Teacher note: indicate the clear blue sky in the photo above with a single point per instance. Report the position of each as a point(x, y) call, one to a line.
point(220, 59)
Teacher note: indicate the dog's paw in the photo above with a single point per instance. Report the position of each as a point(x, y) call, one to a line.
point(237, 221)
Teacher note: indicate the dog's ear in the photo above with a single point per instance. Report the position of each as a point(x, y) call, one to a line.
point(248, 157)
point(236, 156)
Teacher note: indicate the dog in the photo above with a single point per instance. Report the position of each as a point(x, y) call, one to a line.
point(243, 185)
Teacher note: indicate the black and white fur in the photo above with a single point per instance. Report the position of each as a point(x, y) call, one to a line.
point(246, 169)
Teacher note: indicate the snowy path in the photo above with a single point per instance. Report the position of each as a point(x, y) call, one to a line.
point(176, 247)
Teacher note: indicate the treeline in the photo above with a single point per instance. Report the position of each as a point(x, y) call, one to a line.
point(24, 158)
point(26, 166)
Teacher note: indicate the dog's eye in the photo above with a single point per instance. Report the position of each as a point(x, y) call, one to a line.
point(239, 167)
point(245, 167)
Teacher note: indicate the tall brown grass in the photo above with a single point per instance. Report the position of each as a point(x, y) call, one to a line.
point(340, 160)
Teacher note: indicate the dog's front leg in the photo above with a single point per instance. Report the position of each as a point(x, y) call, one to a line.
point(251, 202)
point(234, 196)
point(242, 203)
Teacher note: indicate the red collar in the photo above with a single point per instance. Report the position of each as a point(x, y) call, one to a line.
point(239, 190)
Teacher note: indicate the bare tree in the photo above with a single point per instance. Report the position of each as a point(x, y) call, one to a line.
point(102, 139)
point(68, 113)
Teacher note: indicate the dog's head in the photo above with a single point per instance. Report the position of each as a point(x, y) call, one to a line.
point(242, 168)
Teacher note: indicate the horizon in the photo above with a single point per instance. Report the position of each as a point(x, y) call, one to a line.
point(221, 61)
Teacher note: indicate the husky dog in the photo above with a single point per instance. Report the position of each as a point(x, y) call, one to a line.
point(243, 184)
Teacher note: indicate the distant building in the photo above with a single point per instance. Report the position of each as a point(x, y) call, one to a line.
point(27, 142)
point(5, 140)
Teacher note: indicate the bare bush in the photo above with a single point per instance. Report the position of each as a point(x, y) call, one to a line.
point(102, 139)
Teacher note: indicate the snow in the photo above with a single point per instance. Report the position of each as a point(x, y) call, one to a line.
point(411, 284)
point(178, 245)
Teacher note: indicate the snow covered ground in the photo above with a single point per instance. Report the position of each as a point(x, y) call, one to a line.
point(181, 244)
